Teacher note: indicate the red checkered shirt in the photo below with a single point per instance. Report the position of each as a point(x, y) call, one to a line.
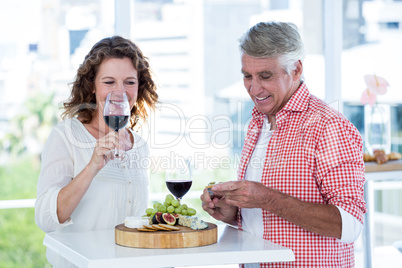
point(315, 155)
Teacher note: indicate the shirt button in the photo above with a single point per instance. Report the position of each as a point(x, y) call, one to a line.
point(129, 201)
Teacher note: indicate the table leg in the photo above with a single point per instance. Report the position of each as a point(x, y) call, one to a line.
point(368, 225)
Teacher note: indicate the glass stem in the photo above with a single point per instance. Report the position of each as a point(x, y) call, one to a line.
point(116, 151)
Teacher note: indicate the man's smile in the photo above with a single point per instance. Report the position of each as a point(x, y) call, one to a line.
point(261, 99)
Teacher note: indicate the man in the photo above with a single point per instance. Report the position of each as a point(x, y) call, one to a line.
point(301, 174)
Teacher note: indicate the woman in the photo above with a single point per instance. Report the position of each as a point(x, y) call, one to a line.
point(78, 189)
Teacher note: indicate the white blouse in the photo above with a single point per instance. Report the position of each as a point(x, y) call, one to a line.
point(117, 191)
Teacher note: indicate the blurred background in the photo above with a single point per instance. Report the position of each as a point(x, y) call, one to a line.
point(192, 46)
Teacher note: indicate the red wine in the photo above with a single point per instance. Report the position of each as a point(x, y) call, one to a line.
point(178, 188)
point(116, 122)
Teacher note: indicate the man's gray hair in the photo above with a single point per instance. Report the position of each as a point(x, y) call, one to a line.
point(274, 40)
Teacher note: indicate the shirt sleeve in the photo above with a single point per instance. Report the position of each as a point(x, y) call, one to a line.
point(351, 227)
point(340, 166)
point(56, 172)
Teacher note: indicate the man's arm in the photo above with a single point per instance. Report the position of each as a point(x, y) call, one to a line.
point(322, 219)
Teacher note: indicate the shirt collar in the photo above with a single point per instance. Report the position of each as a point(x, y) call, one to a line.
point(299, 100)
point(257, 114)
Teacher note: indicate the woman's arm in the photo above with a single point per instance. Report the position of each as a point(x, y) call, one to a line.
point(70, 196)
point(58, 193)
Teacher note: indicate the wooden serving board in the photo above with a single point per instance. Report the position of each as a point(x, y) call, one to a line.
point(184, 238)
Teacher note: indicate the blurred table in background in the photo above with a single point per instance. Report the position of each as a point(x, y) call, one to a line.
point(378, 177)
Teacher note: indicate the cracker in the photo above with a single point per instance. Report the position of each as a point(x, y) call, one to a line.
point(146, 230)
point(150, 227)
point(169, 227)
point(157, 227)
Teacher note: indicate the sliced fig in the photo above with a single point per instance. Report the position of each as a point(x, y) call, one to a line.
point(153, 220)
point(158, 217)
point(169, 218)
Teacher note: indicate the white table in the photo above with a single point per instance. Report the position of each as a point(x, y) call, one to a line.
point(385, 176)
point(98, 249)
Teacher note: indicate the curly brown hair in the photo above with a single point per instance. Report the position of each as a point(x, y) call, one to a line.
point(82, 101)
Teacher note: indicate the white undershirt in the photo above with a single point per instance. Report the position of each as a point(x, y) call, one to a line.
point(351, 227)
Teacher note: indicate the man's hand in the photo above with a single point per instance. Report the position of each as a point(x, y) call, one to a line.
point(322, 219)
point(218, 208)
point(243, 194)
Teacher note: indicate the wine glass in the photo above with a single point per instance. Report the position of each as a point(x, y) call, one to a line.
point(116, 114)
point(179, 179)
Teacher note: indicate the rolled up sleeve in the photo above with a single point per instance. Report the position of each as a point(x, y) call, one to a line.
point(340, 167)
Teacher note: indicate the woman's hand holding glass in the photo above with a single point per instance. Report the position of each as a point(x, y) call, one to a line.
point(104, 150)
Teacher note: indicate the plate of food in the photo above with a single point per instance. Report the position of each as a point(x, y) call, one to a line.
point(166, 225)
